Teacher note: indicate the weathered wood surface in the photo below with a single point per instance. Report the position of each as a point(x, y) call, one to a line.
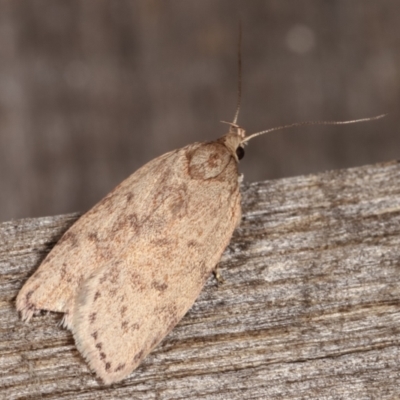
point(310, 307)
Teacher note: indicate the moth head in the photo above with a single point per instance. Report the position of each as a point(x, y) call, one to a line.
point(233, 140)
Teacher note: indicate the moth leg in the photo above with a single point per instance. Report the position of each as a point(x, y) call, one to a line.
point(218, 276)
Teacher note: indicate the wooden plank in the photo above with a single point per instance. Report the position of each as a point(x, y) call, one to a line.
point(309, 307)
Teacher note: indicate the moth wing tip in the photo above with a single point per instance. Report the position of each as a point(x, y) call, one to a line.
point(26, 314)
point(98, 367)
point(24, 308)
point(86, 347)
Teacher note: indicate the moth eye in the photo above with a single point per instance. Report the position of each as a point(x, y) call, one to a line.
point(240, 152)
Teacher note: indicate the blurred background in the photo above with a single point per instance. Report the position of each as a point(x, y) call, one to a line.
point(90, 90)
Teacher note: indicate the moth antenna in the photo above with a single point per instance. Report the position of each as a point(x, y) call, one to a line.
point(239, 74)
point(278, 128)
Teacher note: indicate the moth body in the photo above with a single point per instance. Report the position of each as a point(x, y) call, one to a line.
point(130, 268)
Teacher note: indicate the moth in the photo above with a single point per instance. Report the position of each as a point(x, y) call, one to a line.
point(131, 267)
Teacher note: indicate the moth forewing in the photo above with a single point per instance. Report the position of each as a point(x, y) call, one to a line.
point(131, 267)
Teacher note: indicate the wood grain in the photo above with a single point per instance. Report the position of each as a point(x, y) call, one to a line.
point(309, 308)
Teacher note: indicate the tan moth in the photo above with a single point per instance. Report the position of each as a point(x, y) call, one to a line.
point(131, 267)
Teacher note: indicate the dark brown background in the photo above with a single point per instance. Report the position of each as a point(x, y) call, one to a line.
point(92, 89)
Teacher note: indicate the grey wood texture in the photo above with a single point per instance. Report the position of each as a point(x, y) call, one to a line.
point(310, 307)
